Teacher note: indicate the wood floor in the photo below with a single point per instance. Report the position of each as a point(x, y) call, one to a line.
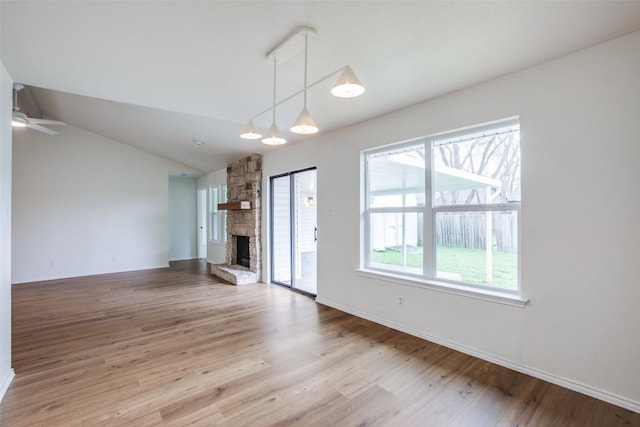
point(177, 347)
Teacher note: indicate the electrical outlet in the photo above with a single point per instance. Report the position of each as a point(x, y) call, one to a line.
point(400, 301)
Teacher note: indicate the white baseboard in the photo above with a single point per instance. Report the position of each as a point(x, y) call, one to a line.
point(4, 385)
point(182, 259)
point(554, 379)
point(86, 274)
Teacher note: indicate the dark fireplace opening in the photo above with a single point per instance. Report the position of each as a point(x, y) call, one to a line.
point(242, 251)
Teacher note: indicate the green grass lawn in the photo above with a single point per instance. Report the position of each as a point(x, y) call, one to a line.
point(469, 263)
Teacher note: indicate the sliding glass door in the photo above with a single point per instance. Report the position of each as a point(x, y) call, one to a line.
point(294, 231)
point(281, 230)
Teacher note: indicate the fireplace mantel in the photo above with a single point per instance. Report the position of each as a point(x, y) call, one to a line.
point(235, 206)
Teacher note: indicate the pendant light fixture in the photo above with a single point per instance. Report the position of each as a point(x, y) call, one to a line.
point(273, 134)
point(347, 86)
point(304, 124)
point(250, 132)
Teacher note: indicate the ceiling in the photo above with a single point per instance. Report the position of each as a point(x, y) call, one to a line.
point(158, 75)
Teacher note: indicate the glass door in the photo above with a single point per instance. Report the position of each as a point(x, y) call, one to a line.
point(294, 231)
point(305, 231)
point(281, 230)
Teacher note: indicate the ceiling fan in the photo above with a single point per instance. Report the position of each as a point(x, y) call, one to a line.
point(20, 119)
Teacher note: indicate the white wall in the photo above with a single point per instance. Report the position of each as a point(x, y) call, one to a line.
point(6, 373)
point(84, 204)
point(580, 132)
point(183, 239)
point(216, 252)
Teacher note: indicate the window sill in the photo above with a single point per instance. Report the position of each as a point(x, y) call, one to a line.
point(450, 288)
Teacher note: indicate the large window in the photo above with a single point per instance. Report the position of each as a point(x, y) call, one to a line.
point(218, 218)
point(446, 208)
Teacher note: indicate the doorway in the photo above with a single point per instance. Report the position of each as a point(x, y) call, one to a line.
point(294, 230)
point(202, 223)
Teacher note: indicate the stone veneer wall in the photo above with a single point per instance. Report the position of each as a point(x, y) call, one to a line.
point(244, 182)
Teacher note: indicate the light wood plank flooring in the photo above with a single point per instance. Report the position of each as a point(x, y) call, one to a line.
point(176, 347)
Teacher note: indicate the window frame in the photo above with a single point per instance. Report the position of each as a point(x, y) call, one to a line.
point(429, 211)
point(217, 218)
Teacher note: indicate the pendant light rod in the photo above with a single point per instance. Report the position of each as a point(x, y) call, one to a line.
point(304, 124)
point(306, 46)
point(302, 29)
point(273, 136)
point(275, 68)
point(293, 95)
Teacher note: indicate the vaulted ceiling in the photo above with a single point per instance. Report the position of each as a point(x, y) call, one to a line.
point(158, 75)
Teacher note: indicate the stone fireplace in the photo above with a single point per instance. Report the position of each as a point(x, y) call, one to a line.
point(244, 252)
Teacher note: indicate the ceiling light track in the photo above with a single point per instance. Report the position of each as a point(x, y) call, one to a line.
point(347, 86)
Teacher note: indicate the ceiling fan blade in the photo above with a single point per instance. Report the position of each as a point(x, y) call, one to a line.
point(41, 129)
point(45, 121)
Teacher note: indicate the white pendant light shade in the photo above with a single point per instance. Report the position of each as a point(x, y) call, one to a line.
point(348, 85)
point(273, 136)
point(250, 132)
point(304, 125)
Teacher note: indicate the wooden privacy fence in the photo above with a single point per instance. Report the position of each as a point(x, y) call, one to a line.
point(469, 230)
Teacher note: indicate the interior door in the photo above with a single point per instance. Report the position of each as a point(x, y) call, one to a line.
point(294, 231)
point(202, 223)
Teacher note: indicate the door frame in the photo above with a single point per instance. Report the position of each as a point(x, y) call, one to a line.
point(201, 223)
point(292, 222)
